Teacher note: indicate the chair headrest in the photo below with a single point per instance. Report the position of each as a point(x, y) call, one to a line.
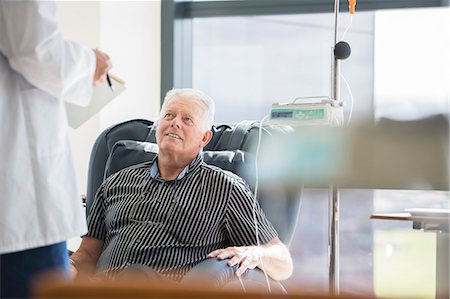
point(126, 153)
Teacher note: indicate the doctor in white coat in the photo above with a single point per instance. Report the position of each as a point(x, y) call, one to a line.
point(40, 206)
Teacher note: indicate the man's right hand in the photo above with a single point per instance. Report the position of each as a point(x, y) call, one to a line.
point(103, 65)
point(86, 257)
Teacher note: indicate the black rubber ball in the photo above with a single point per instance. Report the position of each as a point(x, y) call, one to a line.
point(342, 50)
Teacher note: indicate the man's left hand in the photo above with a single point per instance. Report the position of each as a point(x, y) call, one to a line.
point(248, 257)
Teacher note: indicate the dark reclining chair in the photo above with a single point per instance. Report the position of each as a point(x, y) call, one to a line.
point(231, 148)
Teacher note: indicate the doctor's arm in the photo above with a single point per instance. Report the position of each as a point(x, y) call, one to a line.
point(35, 48)
point(84, 260)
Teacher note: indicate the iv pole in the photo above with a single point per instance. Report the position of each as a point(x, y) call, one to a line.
point(341, 51)
point(333, 191)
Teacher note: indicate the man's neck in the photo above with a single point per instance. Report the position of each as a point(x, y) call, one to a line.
point(170, 167)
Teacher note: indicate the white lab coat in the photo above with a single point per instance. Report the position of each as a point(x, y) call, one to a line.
point(39, 200)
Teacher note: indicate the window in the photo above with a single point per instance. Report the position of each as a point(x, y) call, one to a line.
point(412, 63)
point(250, 54)
point(248, 63)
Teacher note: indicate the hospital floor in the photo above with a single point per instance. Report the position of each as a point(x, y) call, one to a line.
point(377, 257)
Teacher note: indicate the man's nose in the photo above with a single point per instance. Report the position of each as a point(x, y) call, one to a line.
point(175, 123)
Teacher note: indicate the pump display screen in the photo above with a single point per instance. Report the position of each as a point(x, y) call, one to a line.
point(282, 114)
point(298, 114)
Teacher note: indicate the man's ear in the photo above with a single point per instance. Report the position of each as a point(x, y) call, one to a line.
point(207, 136)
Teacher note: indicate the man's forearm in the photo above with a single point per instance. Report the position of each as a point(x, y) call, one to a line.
point(276, 261)
point(83, 262)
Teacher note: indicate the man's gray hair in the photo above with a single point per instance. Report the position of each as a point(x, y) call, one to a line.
point(194, 95)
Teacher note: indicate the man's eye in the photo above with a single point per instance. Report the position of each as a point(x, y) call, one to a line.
point(168, 115)
point(188, 119)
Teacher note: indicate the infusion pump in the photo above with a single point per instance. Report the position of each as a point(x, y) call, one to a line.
point(308, 111)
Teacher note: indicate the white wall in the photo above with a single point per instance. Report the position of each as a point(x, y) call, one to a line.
point(129, 31)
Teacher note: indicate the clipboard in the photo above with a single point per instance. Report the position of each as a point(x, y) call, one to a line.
point(102, 95)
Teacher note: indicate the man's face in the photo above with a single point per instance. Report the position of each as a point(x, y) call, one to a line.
point(179, 131)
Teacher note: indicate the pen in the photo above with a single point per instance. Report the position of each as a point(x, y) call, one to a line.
point(109, 82)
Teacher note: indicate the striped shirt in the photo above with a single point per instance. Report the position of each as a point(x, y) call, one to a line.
point(172, 225)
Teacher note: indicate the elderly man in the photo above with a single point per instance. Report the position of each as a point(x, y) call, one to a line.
point(176, 211)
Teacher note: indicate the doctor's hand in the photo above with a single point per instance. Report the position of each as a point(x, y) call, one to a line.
point(247, 257)
point(103, 65)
